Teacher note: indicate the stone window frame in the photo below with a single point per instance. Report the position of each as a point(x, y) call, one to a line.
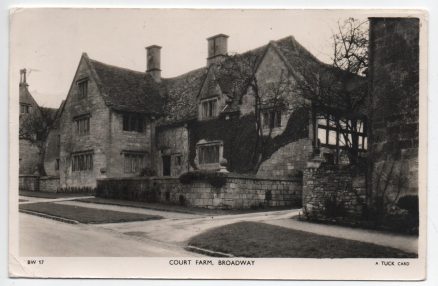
point(133, 122)
point(178, 159)
point(271, 118)
point(134, 157)
point(25, 108)
point(210, 112)
point(57, 164)
point(204, 143)
point(82, 123)
point(82, 87)
point(82, 161)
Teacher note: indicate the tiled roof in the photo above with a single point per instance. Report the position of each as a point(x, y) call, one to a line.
point(176, 98)
point(180, 95)
point(128, 90)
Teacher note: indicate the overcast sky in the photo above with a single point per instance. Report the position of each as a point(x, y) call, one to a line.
point(49, 42)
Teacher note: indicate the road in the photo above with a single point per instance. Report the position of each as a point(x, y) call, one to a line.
point(44, 237)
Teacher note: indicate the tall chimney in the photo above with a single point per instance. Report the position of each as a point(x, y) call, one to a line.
point(153, 61)
point(23, 77)
point(217, 48)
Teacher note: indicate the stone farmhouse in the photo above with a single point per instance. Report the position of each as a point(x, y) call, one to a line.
point(253, 118)
point(117, 122)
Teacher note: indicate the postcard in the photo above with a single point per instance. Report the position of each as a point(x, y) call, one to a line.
point(218, 144)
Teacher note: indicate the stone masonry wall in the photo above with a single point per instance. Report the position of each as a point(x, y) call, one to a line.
point(238, 192)
point(331, 189)
point(173, 142)
point(96, 141)
point(122, 141)
point(29, 157)
point(49, 184)
point(28, 183)
point(394, 86)
point(287, 160)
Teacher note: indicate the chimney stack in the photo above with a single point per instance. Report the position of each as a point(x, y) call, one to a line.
point(153, 55)
point(23, 77)
point(217, 48)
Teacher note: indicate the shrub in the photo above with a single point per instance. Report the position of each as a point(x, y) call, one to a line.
point(182, 200)
point(334, 208)
point(215, 179)
point(147, 172)
point(409, 203)
point(84, 190)
point(268, 195)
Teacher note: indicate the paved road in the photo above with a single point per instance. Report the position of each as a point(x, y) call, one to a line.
point(44, 237)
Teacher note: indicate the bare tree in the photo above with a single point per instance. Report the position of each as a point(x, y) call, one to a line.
point(338, 91)
point(242, 72)
point(35, 127)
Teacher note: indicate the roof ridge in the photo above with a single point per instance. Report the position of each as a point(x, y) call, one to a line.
point(114, 66)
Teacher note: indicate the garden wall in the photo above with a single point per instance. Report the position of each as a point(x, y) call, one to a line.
point(333, 191)
point(28, 183)
point(237, 191)
point(49, 184)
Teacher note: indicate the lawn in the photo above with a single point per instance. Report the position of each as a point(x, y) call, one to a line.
point(177, 208)
point(45, 195)
point(253, 239)
point(85, 215)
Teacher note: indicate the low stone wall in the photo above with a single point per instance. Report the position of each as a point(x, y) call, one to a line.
point(28, 183)
point(332, 191)
point(49, 184)
point(238, 192)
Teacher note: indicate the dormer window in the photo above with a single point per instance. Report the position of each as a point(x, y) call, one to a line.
point(83, 88)
point(209, 108)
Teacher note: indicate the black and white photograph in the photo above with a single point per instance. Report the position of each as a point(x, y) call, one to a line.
point(216, 143)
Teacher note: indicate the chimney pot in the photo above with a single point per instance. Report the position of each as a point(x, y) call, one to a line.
point(217, 48)
point(153, 55)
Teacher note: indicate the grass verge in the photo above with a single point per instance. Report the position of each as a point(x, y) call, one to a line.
point(44, 195)
point(85, 215)
point(254, 239)
point(176, 208)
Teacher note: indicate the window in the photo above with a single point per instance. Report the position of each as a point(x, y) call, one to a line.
point(57, 165)
point(271, 118)
point(82, 124)
point(209, 153)
point(83, 88)
point(341, 132)
point(24, 108)
point(178, 160)
point(133, 122)
point(209, 108)
point(82, 162)
point(134, 162)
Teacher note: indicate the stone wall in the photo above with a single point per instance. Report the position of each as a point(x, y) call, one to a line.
point(238, 192)
point(174, 142)
point(394, 86)
point(28, 183)
point(122, 141)
point(49, 184)
point(96, 141)
point(29, 157)
point(287, 160)
point(333, 190)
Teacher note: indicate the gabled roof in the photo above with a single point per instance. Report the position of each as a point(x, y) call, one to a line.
point(127, 90)
point(180, 95)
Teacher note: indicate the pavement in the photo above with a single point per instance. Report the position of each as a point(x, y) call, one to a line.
point(165, 237)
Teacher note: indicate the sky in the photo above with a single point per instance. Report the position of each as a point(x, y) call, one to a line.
point(49, 42)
